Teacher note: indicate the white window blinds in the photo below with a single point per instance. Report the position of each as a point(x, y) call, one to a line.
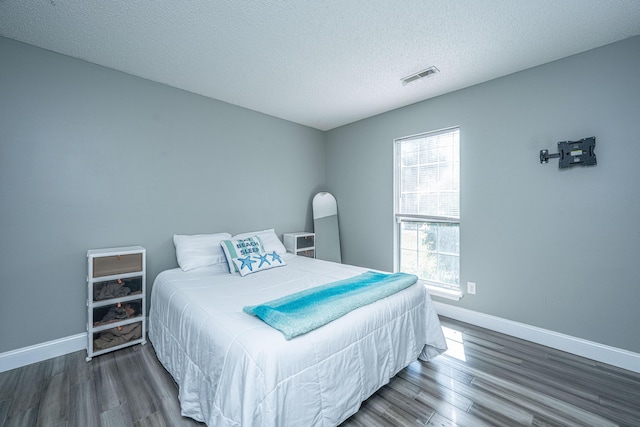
point(429, 175)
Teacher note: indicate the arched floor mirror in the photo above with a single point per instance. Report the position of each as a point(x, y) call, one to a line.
point(325, 225)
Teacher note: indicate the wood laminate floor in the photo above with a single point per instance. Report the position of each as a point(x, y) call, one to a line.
point(486, 379)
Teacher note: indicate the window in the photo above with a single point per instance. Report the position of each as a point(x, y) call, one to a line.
point(427, 208)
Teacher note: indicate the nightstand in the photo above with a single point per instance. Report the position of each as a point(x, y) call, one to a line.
point(301, 243)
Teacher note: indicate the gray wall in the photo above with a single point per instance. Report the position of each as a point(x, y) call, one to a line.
point(93, 158)
point(557, 249)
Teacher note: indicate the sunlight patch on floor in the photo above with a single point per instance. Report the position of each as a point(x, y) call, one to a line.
point(455, 343)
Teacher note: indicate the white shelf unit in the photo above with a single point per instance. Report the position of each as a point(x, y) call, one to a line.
point(301, 243)
point(116, 299)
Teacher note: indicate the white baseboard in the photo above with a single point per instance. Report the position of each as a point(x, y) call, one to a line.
point(39, 352)
point(592, 350)
point(602, 353)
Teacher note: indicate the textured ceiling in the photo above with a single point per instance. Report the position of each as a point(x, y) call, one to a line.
point(318, 63)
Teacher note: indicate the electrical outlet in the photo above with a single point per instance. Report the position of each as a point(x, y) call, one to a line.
point(471, 288)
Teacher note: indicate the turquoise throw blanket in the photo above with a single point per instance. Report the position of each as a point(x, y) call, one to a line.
point(304, 311)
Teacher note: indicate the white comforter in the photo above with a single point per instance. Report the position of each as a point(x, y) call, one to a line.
point(232, 369)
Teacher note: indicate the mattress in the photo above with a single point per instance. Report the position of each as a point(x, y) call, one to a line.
point(232, 369)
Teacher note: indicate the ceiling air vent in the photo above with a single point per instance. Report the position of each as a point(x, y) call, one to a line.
point(419, 75)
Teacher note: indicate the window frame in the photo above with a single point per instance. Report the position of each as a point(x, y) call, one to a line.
point(435, 288)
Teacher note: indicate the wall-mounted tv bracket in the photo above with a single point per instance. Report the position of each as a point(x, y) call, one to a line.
point(572, 153)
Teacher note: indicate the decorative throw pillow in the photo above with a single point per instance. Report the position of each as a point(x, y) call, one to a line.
point(269, 239)
point(258, 261)
point(199, 250)
point(235, 248)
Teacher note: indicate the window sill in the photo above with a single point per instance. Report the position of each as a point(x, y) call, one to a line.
point(438, 291)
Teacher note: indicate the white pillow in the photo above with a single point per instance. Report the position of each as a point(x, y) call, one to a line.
point(258, 261)
point(236, 248)
point(199, 250)
point(270, 241)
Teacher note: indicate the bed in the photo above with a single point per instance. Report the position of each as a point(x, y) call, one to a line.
point(232, 369)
